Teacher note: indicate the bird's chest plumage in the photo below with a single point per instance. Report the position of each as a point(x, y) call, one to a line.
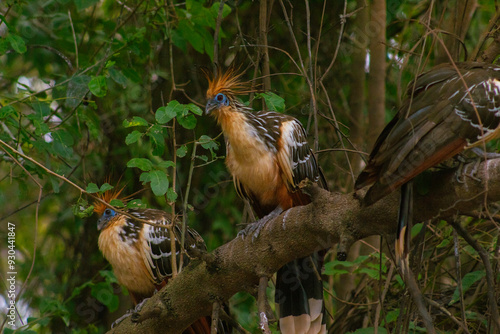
point(126, 260)
point(250, 160)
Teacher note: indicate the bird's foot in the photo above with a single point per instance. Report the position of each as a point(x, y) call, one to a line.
point(481, 156)
point(255, 228)
point(130, 313)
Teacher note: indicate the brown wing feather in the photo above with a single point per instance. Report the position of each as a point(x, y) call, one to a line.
point(437, 121)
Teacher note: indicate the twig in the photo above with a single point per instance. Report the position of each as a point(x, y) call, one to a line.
point(418, 299)
point(383, 294)
point(487, 267)
point(445, 311)
point(261, 302)
point(173, 258)
point(216, 33)
point(80, 189)
point(74, 38)
point(215, 317)
point(185, 203)
point(40, 190)
point(458, 266)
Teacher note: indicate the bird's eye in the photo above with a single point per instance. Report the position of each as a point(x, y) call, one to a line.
point(108, 212)
point(220, 97)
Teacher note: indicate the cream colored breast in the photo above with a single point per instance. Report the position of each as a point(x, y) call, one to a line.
point(126, 260)
point(250, 161)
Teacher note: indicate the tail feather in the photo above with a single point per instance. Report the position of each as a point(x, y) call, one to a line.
point(299, 296)
point(405, 221)
point(200, 326)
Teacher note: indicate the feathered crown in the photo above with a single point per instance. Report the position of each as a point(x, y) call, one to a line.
point(107, 197)
point(227, 82)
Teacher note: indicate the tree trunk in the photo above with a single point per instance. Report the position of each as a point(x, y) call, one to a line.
point(376, 80)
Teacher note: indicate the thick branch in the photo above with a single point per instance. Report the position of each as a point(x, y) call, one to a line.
point(332, 217)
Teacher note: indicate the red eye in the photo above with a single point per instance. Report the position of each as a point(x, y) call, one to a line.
point(219, 97)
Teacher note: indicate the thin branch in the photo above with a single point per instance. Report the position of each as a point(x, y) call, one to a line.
point(80, 189)
point(261, 301)
point(74, 38)
point(490, 280)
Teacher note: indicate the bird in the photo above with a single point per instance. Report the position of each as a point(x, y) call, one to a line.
point(141, 254)
point(448, 109)
point(268, 155)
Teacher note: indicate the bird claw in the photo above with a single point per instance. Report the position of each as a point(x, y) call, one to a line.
point(123, 317)
point(132, 313)
point(255, 227)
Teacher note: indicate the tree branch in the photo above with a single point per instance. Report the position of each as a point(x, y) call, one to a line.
point(329, 219)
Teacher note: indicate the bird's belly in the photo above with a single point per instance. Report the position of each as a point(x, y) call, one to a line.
point(258, 172)
point(127, 263)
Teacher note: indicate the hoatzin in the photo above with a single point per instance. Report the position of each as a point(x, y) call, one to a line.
point(268, 156)
point(448, 110)
point(140, 254)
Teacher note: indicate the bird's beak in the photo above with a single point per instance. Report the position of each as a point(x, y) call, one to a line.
point(211, 105)
point(101, 223)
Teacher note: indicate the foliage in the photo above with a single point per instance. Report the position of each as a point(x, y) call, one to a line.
point(101, 90)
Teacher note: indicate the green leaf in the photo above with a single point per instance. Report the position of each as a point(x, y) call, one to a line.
point(467, 281)
point(159, 182)
point(132, 74)
point(82, 4)
point(188, 32)
point(108, 275)
point(136, 204)
point(77, 89)
point(187, 122)
point(133, 137)
point(7, 111)
point(98, 86)
point(118, 77)
point(141, 163)
point(171, 195)
point(135, 121)
point(17, 43)
point(166, 113)
point(181, 151)
point(208, 143)
point(145, 177)
point(444, 243)
point(104, 293)
point(194, 109)
point(166, 164)
point(155, 134)
point(4, 45)
point(105, 187)
point(116, 202)
point(92, 188)
point(273, 101)
point(202, 157)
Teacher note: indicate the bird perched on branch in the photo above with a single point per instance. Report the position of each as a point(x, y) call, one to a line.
point(141, 254)
point(268, 156)
point(448, 109)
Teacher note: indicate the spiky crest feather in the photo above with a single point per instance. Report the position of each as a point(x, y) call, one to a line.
point(228, 83)
point(110, 195)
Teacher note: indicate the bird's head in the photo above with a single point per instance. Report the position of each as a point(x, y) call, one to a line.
point(106, 217)
point(106, 213)
point(223, 89)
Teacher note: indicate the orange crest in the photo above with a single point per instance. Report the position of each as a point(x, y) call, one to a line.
point(228, 83)
point(107, 197)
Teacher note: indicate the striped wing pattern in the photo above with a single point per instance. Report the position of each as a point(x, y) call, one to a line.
point(155, 243)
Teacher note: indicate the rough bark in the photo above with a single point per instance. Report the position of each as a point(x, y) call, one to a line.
point(376, 80)
point(330, 218)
